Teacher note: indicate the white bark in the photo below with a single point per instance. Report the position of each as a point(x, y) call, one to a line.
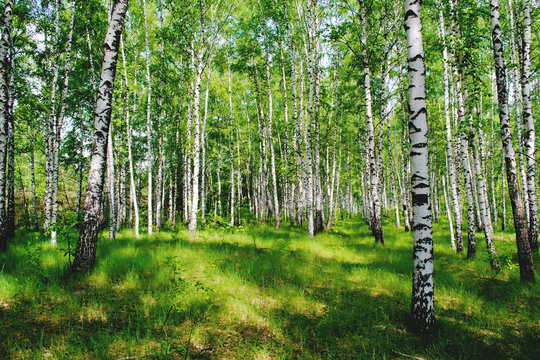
point(526, 265)
point(132, 189)
point(376, 221)
point(449, 142)
point(192, 226)
point(423, 288)
point(110, 181)
point(528, 123)
point(149, 156)
point(517, 104)
point(85, 256)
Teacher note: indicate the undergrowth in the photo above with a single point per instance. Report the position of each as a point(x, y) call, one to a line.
point(258, 293)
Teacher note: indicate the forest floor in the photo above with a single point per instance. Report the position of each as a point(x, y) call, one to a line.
point(258, 293)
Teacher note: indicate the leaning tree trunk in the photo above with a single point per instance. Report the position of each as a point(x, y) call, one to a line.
point(376, 222)
point(422, 294)
point(85, 256)
point(4, 115)
point(528, 122)
point(526, 265)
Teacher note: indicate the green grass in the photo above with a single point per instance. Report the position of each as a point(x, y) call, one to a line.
point(257, 293)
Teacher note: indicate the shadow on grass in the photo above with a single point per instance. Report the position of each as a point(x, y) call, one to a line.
point(314, 306)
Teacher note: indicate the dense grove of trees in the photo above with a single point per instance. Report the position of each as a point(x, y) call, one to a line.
point(208, 111)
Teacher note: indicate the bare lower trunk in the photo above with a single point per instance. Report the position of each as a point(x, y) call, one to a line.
point(203, 148)
point(422, 307)
point(111, 185)
point(376, 222)
point(132, 189)
point(319, 215)
point(58, 130)
point(514, 78)
point(10, 215)
point(449, 143)
point(33, 182)
point(149, 156)
point(85, 256)
point(528, 123)
point(231, 142)
point(196, 136)
point(526, 265)
point(333, 181)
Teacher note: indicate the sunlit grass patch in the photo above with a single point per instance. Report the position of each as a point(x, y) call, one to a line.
point(260, 293)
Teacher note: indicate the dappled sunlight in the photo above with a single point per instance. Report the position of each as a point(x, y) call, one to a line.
point(260, 293)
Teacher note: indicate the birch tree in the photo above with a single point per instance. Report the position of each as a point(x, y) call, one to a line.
point(375, 221)
point(85, 256)
point(422, 294)
point(526, 265)
point(5, 41)
point(528, 123)
point(149, 156)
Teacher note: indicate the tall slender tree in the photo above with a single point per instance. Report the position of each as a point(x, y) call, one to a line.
point(526, 265)
point(5, 42)
point(528, 123)
point(85, 256)
point(423, 288)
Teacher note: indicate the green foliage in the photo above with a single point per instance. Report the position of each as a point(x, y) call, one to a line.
point(66, 232)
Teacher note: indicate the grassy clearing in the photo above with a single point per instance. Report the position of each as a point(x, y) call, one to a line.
point(257, 293)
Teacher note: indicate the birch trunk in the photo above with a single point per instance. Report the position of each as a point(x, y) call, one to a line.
point(33, 181)
point(422, 307)
point(503, 193)
point(10, 215)
point(110, 181)
point(132, 188)
point(484, 206)
point(192, 226)
point(376, 223)
point(514, 77)
point(335, 115)
point(149, 156)
point(231, 139)
point(51, 130)
point(449, 211)
point(492, 154)
point(449, 142)
point(58, 129)
point(307, 126)
point(526, 265)
point(296, 134)
point(85, 256)
point(275, 204)
point(203, 148)
point(319, 216)
point(5, 41)
point(528, 122)
point(405, 161)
